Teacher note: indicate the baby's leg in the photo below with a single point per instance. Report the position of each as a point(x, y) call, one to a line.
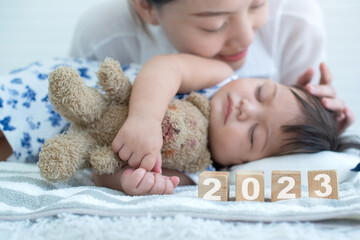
point(5, 148)
point(137, 182)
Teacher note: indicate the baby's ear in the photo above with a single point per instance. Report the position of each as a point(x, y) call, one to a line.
point(201, 102)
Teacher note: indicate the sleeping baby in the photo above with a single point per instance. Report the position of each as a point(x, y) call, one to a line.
point(249, 119)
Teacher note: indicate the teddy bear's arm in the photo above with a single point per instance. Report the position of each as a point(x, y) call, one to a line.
point(104, 161)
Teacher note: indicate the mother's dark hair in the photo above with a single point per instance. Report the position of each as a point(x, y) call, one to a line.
point(139, 20)
point(317, 130)
point(159, 2)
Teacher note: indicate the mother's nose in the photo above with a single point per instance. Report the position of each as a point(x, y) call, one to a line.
point(248, 110)
point(242, 35)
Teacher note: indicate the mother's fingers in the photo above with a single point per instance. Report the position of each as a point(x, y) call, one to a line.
point(305, 78)
point(334, 104)
point(346, 121)
point(326, 76)
point(321, 90)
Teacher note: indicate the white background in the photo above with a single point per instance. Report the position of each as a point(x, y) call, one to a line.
point(32, 30)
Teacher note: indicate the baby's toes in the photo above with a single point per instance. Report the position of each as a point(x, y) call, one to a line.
point(171, 184)
point(130, 180)
point(147, 182)
point(175, 181)
point(159, 185)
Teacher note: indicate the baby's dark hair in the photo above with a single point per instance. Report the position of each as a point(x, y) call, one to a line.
point(317, 130)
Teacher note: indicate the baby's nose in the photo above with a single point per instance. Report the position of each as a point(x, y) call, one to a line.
point(247, 110)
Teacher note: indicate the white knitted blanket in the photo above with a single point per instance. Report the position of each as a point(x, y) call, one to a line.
point(24, 194)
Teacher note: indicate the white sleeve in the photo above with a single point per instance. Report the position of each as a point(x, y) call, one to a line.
point(299, 39)
point(106, 29)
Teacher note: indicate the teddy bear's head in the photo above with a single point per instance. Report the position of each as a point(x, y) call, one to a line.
point(185, 134)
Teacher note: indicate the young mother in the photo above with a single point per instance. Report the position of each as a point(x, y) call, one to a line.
point(279, 39)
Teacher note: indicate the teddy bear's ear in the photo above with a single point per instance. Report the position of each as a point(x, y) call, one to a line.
point(113, 81)
point(201, 102)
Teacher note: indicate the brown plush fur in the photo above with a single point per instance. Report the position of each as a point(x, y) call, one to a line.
point(96, 116)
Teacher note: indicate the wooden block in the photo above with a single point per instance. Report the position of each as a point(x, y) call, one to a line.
point(323, 184)
point(214, 186)
point(250, 186)
point(285, 185)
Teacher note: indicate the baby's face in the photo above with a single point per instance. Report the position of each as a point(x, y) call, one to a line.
point(246, 117)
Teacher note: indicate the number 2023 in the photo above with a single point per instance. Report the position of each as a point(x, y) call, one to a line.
point(284, 185)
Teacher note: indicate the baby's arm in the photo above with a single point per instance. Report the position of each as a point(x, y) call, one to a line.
point(139, 140)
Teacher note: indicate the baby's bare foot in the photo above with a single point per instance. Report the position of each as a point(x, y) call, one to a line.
point(140, 182)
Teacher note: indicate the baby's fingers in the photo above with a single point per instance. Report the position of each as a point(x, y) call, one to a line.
point(116, 145)
point(148, 162)
point(157, 167)
point(125, 154)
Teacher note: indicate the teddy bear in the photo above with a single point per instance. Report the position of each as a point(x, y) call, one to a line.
point(96, 115)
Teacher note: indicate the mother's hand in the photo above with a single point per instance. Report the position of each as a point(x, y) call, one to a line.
point(326, 92)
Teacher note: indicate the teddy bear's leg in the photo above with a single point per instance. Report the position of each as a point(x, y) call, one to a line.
point(72, 98)
point(113, 81)
point(60, 157)
point(104, 161)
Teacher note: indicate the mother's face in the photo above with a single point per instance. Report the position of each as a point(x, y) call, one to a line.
point(211, 28)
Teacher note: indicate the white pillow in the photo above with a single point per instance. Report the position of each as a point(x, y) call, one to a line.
point(326, 160)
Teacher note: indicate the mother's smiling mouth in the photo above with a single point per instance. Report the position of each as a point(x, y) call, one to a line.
point(227, 108)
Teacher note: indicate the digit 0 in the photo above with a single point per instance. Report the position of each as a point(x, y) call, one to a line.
point(245, 189)
point(249, 185)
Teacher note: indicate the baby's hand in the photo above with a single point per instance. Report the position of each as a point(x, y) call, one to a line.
point(139, 142)
point(140, 182)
